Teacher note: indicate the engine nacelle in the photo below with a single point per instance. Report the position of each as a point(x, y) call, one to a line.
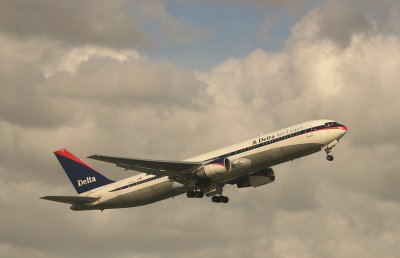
point(227, 169)
point(212, 171)
point(238, 165)
point(255, 179)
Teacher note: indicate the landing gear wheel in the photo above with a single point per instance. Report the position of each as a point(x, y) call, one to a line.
point(224, 199)
point(195, 194)
point(198, 194)
point(215, 199)
point(329, 157)
point(190, 194)
point(220, 199)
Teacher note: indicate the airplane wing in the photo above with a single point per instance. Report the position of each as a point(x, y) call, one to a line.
point(180, 171)
point(70, 199)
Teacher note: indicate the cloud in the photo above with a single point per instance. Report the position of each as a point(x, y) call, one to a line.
point(114, 100)
point(166, 28)
point(339, 23)
point(276, 3)
point(117, 24)
point(106, 23)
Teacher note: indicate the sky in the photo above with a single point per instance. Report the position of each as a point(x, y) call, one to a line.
point(174, 79)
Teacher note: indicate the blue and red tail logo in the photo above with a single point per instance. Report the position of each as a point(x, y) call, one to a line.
point(83, 177)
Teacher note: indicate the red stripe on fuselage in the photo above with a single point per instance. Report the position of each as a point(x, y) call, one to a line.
point(67, 154)
point(336, 127)
point(218, 164)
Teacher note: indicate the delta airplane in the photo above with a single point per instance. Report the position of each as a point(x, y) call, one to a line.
point(246, 164)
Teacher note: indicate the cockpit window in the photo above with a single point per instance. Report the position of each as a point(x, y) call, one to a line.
point(329, 124)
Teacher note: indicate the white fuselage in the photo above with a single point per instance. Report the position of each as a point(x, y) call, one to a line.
point(263, 152)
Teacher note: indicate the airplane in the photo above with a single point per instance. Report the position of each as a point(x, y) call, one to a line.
point(246, 164)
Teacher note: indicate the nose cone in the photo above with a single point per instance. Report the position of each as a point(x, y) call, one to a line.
point(343, 130)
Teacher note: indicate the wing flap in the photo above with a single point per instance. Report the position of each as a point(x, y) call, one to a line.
point(70, 199)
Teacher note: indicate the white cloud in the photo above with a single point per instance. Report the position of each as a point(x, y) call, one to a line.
point(72, 59)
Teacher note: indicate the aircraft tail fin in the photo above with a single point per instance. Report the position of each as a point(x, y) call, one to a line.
point(83, 177)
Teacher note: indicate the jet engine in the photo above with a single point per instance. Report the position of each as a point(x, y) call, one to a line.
point(226, 169)
point(258, 178)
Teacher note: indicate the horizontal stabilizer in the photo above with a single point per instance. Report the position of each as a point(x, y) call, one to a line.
point(70, 199)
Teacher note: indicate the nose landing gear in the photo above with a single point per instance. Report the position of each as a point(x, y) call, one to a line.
point(328, 156)
point(328, 149)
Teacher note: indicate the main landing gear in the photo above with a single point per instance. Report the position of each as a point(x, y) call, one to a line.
point(195, 194)
point(220, 199)
point(328, 149)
